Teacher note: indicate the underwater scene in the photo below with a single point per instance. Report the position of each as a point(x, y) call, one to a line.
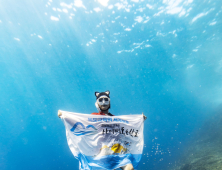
point(162, 58)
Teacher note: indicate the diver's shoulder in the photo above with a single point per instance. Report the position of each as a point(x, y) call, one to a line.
point(94, 113)
point(110, 114)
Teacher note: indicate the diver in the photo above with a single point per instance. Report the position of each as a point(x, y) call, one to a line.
point(103, 106)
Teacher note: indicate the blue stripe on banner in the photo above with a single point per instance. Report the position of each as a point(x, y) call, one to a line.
point(109, 162)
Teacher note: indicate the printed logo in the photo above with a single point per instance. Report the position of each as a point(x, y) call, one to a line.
point(79, 129)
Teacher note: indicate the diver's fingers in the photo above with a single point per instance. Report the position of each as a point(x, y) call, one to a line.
point(144, 117)
point(59, 113)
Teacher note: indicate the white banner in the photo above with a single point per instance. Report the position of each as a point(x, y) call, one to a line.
point(104, 142)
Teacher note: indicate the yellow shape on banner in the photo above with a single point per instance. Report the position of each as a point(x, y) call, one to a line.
point(117, 148)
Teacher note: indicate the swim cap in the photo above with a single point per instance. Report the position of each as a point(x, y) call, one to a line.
point(98, 95)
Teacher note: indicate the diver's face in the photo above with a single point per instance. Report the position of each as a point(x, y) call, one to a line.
point(104, 107)
point(103, 103)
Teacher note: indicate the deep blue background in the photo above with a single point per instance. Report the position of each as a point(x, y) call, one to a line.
point(176, 86)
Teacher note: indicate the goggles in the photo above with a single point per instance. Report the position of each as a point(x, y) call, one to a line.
point(103, 101)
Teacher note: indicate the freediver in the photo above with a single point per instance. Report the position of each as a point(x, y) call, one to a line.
point(103, 105)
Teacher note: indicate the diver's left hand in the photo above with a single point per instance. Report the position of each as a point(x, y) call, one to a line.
point(144, 117)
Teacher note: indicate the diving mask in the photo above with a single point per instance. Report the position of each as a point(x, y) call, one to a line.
point(103, 101)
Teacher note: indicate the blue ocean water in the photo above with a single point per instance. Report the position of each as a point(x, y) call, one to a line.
point(162, 58)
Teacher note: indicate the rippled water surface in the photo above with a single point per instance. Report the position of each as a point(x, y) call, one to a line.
point(163, 58)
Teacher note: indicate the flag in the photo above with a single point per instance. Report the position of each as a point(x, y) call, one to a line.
point(104, 142)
